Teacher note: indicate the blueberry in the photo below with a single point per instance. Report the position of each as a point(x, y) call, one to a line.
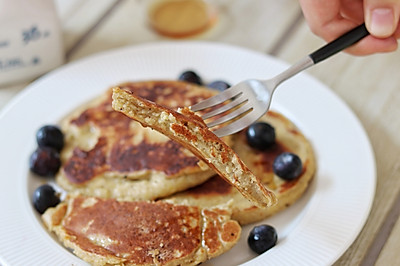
point(45, 161)
point(260, 135)
point(262, 238)
point(44, 197)
point(191, 76)
point(50, 136)
point(287, 166)
point(219, 85)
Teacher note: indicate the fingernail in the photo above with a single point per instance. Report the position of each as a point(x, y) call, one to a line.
point(382, 22)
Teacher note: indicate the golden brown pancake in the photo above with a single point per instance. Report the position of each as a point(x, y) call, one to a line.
point(108, 232)
point(109, 155)
point(216, 191)
point(190, 131)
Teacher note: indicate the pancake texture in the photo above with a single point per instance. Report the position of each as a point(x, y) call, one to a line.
point(191, 132)
point(216, 191)
point(111, 232)
point(111, 156)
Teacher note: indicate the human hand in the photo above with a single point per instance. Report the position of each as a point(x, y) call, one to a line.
point(332, 18)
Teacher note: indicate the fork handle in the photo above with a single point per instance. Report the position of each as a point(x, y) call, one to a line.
point(339, 44)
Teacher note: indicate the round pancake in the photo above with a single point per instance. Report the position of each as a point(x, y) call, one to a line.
point(216, 191)
point(111, 232)
point(109, 155)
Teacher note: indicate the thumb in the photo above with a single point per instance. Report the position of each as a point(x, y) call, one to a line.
point(382, 17)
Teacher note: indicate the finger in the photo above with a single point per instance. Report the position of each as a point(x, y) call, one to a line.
point(382, 17)
point(371, 45)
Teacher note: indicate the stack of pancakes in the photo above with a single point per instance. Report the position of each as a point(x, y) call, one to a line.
point(136, 197)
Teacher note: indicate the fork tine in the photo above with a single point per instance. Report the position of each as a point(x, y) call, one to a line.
point(217, 99)
point(238, 125)
point(237, 101)
point(242, 109)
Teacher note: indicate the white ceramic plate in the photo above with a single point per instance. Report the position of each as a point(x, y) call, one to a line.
point(314, 231)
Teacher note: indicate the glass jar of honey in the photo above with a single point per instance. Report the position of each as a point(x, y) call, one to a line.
point(181, 18)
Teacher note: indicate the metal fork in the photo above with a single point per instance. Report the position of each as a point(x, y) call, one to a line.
point(250, 99)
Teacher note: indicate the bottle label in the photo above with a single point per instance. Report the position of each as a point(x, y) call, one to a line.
point(30, 43)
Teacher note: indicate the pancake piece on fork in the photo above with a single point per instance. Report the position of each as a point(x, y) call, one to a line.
point(190, 131)
point(109, 155)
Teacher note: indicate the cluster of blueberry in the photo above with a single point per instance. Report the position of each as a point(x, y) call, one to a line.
point(45, 162)
point(286, 165)
point(192, 77)
point(260, 136)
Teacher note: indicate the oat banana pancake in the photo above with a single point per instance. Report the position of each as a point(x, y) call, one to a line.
point(216, 191)
point(191, 132)
point(110, 232)
point(109, 155)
